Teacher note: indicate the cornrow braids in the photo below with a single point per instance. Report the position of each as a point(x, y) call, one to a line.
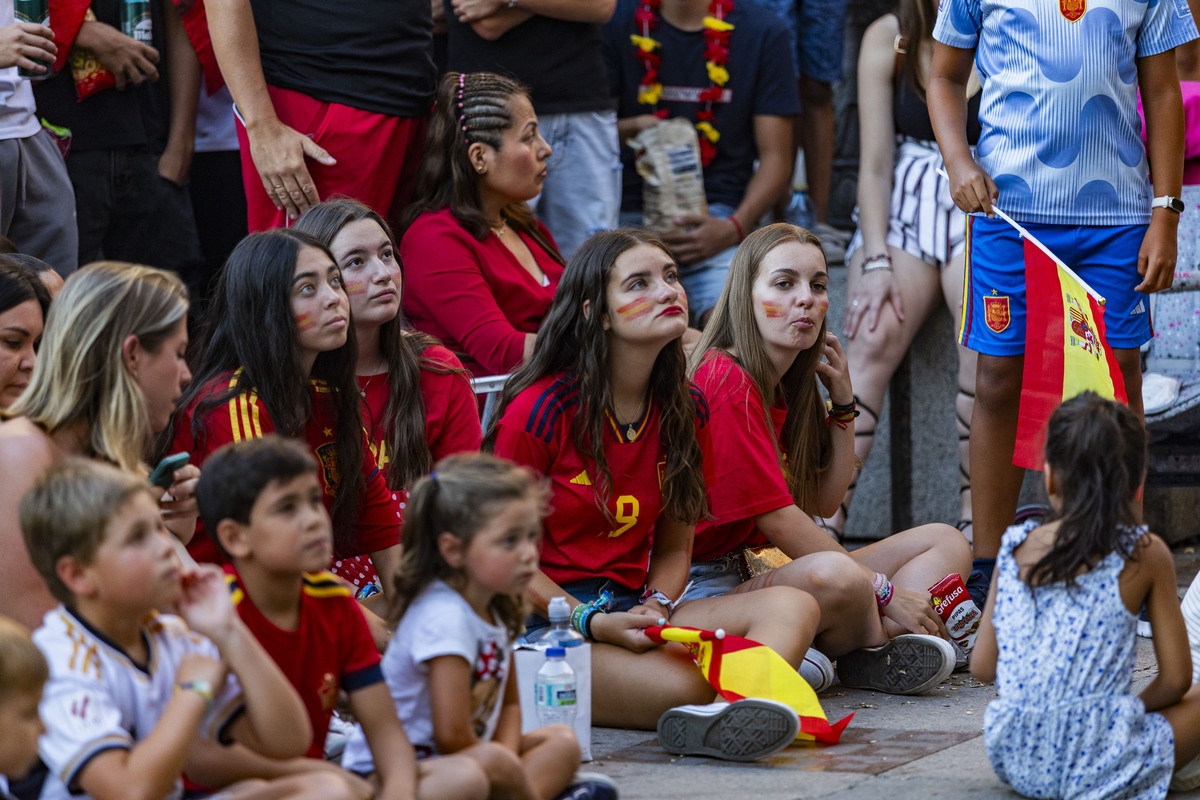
point(472, 108)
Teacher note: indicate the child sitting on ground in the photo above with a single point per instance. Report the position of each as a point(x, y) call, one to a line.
point(131, 689)
point(1057, 633)
point(261, 501)
point(23, 673)
point(471, 539)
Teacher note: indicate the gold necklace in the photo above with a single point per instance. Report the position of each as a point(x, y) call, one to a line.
point(630, 431)
point(501, 228)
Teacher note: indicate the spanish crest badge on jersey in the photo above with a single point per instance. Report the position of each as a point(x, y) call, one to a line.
point(1072, 9)
point(327, 456)
point(996, 314)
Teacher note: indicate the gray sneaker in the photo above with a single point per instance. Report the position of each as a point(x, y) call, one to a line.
point(747, 730)
point(817, 670)
point(909, 664)
point(833, 241)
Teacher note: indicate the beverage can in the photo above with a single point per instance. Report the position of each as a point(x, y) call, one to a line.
point(37, 12)
point(136, 22)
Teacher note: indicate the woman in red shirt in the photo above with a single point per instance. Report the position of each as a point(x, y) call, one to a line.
point(418, 405)
point(278, 355)
point(481, 271)
point(604, 410)
point(780, 457)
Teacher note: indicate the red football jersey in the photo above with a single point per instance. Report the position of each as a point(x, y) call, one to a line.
point(245, 417)
point(579, 541)
point(748, 479)
point(330, 650)
point(451, 426)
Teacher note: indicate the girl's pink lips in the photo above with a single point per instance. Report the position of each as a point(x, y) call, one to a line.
point(804, 323)
point(336, 322)
point(671, 311)
point(385, 296)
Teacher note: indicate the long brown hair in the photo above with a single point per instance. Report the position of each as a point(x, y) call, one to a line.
point(403, 350)
point(576, 343)
point(916, 18)
point(459, 498)
point(477, 109)
point(805, 450)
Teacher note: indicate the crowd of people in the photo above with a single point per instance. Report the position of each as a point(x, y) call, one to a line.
point(341, 532)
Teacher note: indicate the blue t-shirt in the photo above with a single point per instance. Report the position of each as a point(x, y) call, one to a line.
point(762, 82)
point(1061, 136)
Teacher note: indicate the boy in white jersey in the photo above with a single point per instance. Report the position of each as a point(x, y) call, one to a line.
point(131, 689)
point(1060, 152)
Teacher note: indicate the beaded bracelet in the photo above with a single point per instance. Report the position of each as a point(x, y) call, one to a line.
point(883, 590)
point(581, 615)
point(841, 416)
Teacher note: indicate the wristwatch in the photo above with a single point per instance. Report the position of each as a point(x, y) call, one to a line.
point(1166, 201)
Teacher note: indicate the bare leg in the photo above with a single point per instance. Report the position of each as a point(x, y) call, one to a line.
point(996, 482)
point(550, 756)
point(315, 785)
point(451, 778)
point(964, 402)
point(917, 559)
point(874, 355)
point(843, 591)
point(1184, 717)
point(504, 771)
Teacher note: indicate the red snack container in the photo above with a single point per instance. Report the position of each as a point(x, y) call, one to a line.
point(957, 610)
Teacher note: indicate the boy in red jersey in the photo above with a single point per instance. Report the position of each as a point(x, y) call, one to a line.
point(261, 501)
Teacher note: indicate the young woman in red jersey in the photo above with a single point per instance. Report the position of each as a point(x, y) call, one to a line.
point(418, 405)
point(278, 354)
point(604, 410)
point(781, 456)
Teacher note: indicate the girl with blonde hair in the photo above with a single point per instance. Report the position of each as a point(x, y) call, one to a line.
point(109, 372)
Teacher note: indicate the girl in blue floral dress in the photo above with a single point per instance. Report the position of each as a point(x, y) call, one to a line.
point(1057, 633)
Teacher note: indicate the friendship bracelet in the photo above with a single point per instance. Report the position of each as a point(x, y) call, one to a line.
point(876, 264)
point(661, 597)
point(581, 615)
point(883, 593)
point(841, 416)
point(741, 232)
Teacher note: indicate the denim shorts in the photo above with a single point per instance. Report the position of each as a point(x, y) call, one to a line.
point(714, 578)
point(585, 591)
point(817, 30)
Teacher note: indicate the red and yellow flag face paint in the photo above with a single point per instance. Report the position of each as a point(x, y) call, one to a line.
point(636, 308)
point(305, 321)
point(354, 287)
point(1066, 352)
point(772, 310)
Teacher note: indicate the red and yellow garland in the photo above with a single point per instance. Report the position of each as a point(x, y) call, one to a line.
point(716, 54)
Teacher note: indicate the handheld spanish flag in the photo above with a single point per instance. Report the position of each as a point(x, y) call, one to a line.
point(1066, 352)
point(739, 668)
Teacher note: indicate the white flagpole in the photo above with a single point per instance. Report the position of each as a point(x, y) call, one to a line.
point(1027, 235)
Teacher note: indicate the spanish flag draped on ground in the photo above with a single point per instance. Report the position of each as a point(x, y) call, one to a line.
point(1066, 352)
point(739, 668)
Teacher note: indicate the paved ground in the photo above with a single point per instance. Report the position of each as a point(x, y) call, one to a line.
point(925, 747)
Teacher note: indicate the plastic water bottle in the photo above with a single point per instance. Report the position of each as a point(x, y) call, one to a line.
point(554, 689)
point(560, 633)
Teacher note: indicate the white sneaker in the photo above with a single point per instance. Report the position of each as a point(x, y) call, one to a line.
point(1188, 776)
point(909, 664)
point(747, 730)
point(1191, 618)
point(817, 670)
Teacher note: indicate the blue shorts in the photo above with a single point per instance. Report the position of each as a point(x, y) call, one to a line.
point(817, 30)
point(714, 578)
point(994, 292)
point(585, 591)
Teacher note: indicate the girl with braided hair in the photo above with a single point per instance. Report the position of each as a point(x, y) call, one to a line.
point(481, 271)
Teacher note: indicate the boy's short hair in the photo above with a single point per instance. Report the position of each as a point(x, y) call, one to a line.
point(66, 513)
point(23, 668)
point(235, 475)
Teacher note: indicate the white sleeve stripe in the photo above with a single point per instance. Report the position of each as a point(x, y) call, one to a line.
point(90, 751)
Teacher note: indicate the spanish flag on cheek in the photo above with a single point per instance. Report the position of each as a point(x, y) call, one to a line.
point(739, 668)
point(1066, 352)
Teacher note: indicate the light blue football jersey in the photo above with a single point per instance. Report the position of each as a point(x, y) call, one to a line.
point(1061, 135)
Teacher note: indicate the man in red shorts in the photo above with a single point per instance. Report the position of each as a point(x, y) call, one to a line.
point(332, 98)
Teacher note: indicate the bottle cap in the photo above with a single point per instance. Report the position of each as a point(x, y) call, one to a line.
point(556, 652)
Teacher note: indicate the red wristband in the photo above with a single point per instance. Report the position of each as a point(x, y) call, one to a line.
point(740, 232)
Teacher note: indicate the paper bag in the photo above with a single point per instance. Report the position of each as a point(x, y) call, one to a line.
point(528, 661)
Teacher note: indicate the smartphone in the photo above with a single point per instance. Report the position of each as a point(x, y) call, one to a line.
point(164, 473)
